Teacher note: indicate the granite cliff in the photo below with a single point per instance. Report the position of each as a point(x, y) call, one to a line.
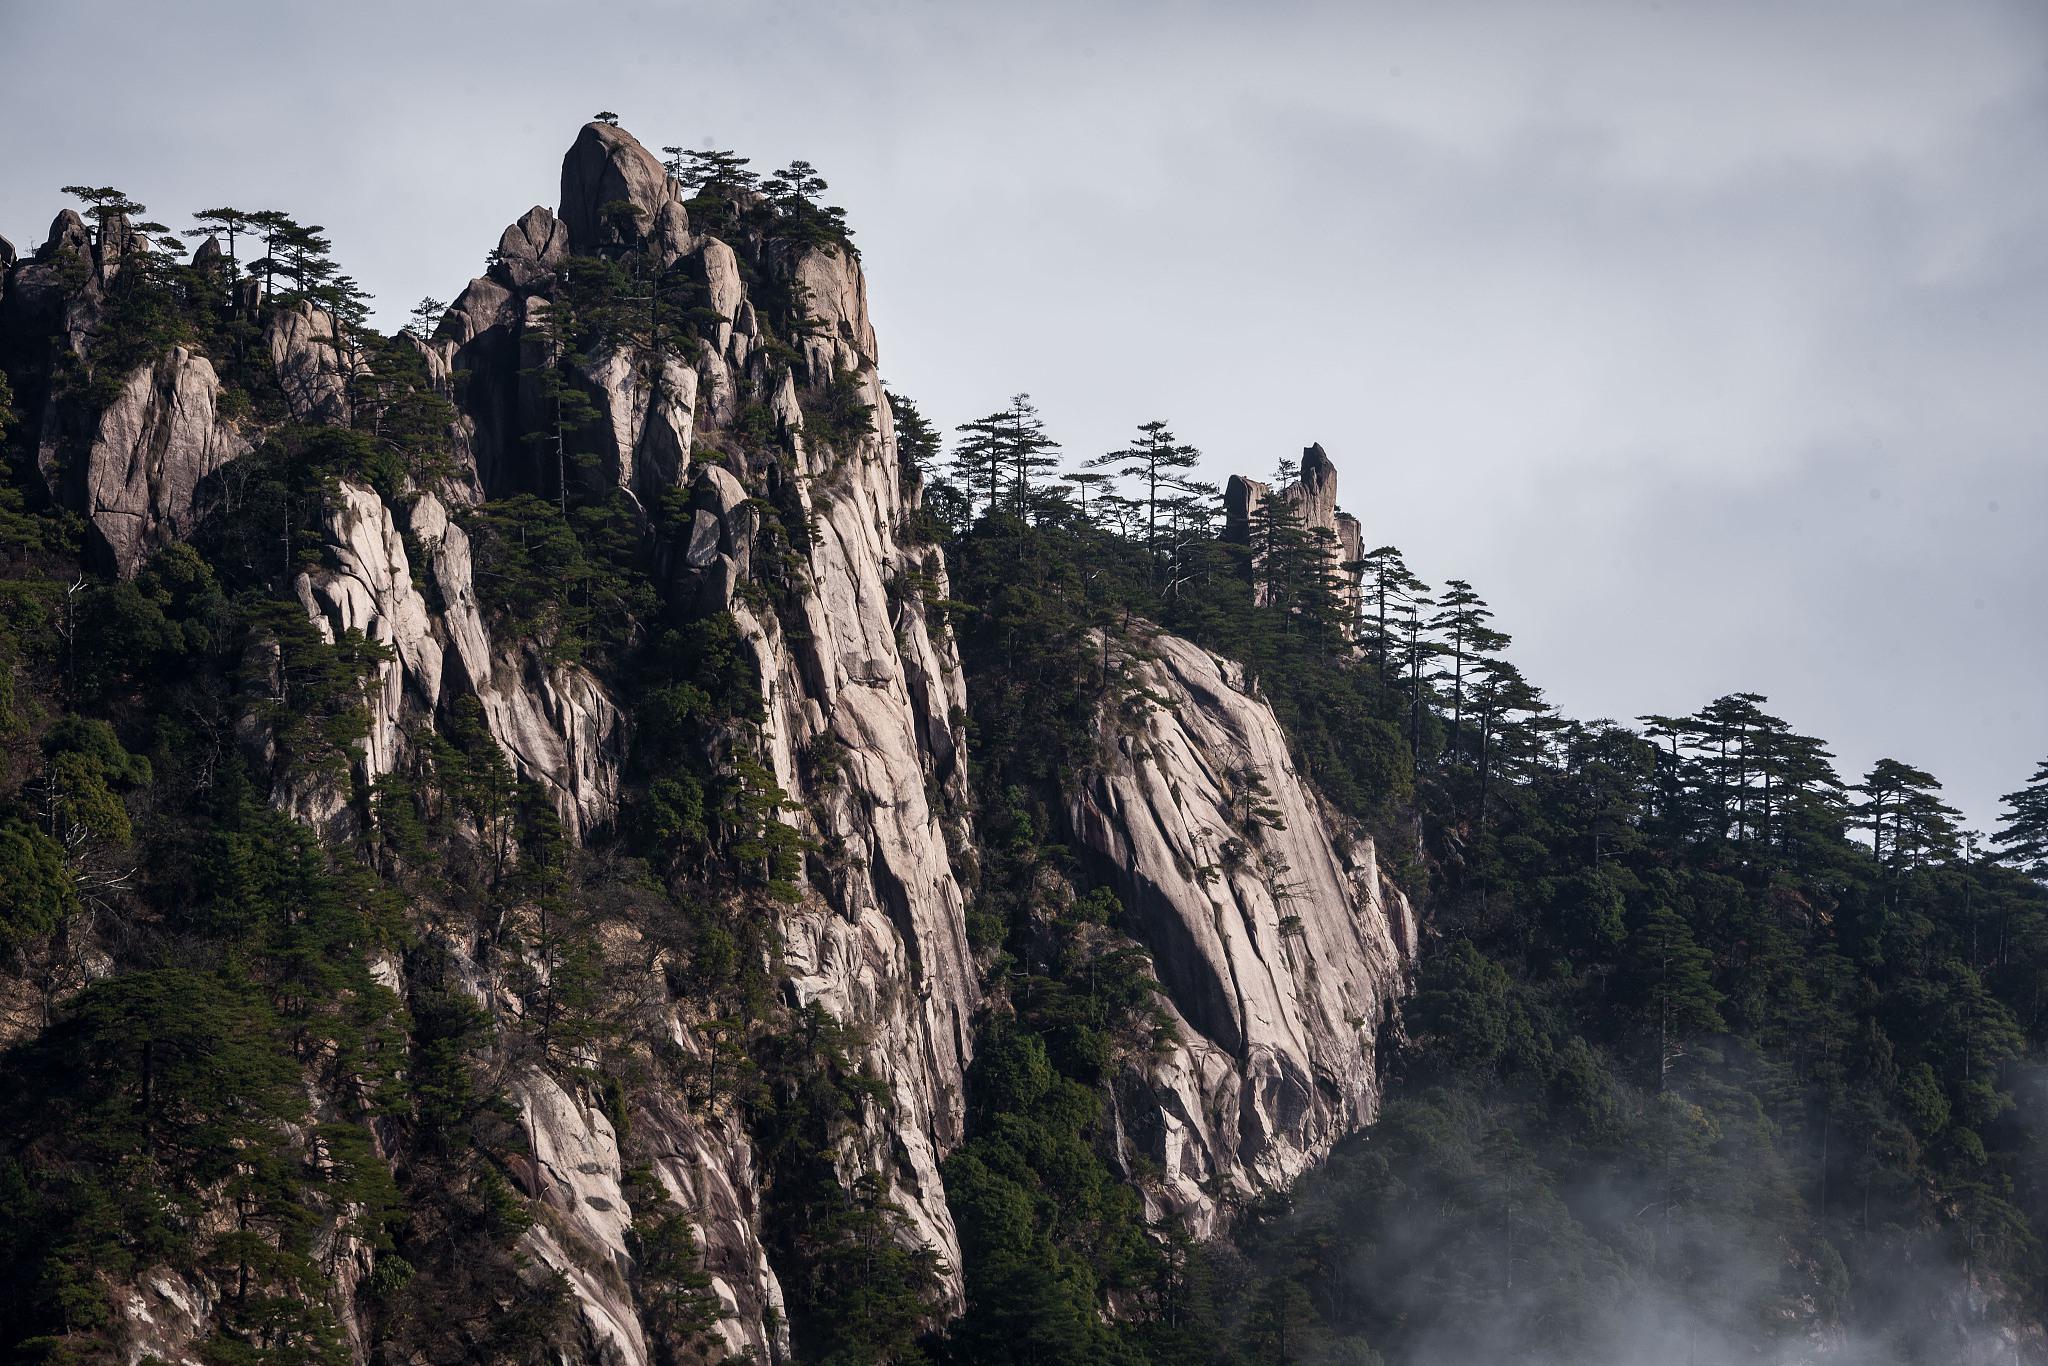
point(755, 450)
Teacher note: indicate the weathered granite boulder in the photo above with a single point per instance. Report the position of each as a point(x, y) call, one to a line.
point(608, 167)
point(531, 249)
point(314, 363)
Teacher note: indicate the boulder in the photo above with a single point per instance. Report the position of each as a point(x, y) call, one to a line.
point(67, 233)
point(312, 366)
point(530, 249)
point(608, 166)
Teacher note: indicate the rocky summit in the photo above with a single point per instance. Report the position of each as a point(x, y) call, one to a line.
point(584, 830)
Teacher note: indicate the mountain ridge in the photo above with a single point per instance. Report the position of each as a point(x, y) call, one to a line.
point(572, 833)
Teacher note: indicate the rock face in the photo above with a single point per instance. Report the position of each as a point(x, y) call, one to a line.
point(608, 167)
point(864, 698)
point(848, 667)
point(883, 943)
point(1281, 946)
point(313, 367)
point(134, 463)
point(555, 723)
point(155, 444)
point(1312, 498)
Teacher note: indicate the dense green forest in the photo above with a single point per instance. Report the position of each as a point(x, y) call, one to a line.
point(1708, 1046)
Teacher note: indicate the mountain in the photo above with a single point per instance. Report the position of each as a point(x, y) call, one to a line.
point(566, 834)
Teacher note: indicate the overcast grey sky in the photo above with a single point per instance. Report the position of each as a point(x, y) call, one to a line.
point(1710, 341)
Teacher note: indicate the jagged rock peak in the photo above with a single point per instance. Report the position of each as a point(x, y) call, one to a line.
point(1317, 469)
point(531, 247)
point(608, 166)
point(67, 233)
point(1312, 495)
point(1313, 498)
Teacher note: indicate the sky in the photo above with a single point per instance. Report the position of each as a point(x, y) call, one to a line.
point(1709, 342)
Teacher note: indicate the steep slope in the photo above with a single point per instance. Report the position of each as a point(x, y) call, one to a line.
point(1282, 948)
point(878, 938)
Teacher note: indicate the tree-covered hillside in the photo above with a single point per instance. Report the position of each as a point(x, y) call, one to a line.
point(1713, 1054)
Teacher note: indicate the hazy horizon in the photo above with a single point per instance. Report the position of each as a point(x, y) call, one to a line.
point(1710, 348)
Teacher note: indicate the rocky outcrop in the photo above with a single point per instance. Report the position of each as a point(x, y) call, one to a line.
point(530, 249)
point(555, 722)
point(646, 404)
point(863, 695)
point(162, 436)
point(857, 672)
point(703, 1162)
point(1311, 499)
point(615, 192)
point(134, 458)
point(313, 362)
point(1281, 947)
point(761, 503)
point(370, 590)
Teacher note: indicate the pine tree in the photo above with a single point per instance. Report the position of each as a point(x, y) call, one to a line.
point(1158, 462)
point(276, 227)
point(1084, 483)
point(1671, 979)
point(917, 440)
point(1417, 650)
point(565, 406)
point(1501, 694)
point(1461, 615)
point(1908, 822)
point(2023, 834)
point(1006, 456)
point(228, 222)
point(719, 180)
point(426, 317)
point(110, 211)
point(1387, 584)
point(710, 171)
